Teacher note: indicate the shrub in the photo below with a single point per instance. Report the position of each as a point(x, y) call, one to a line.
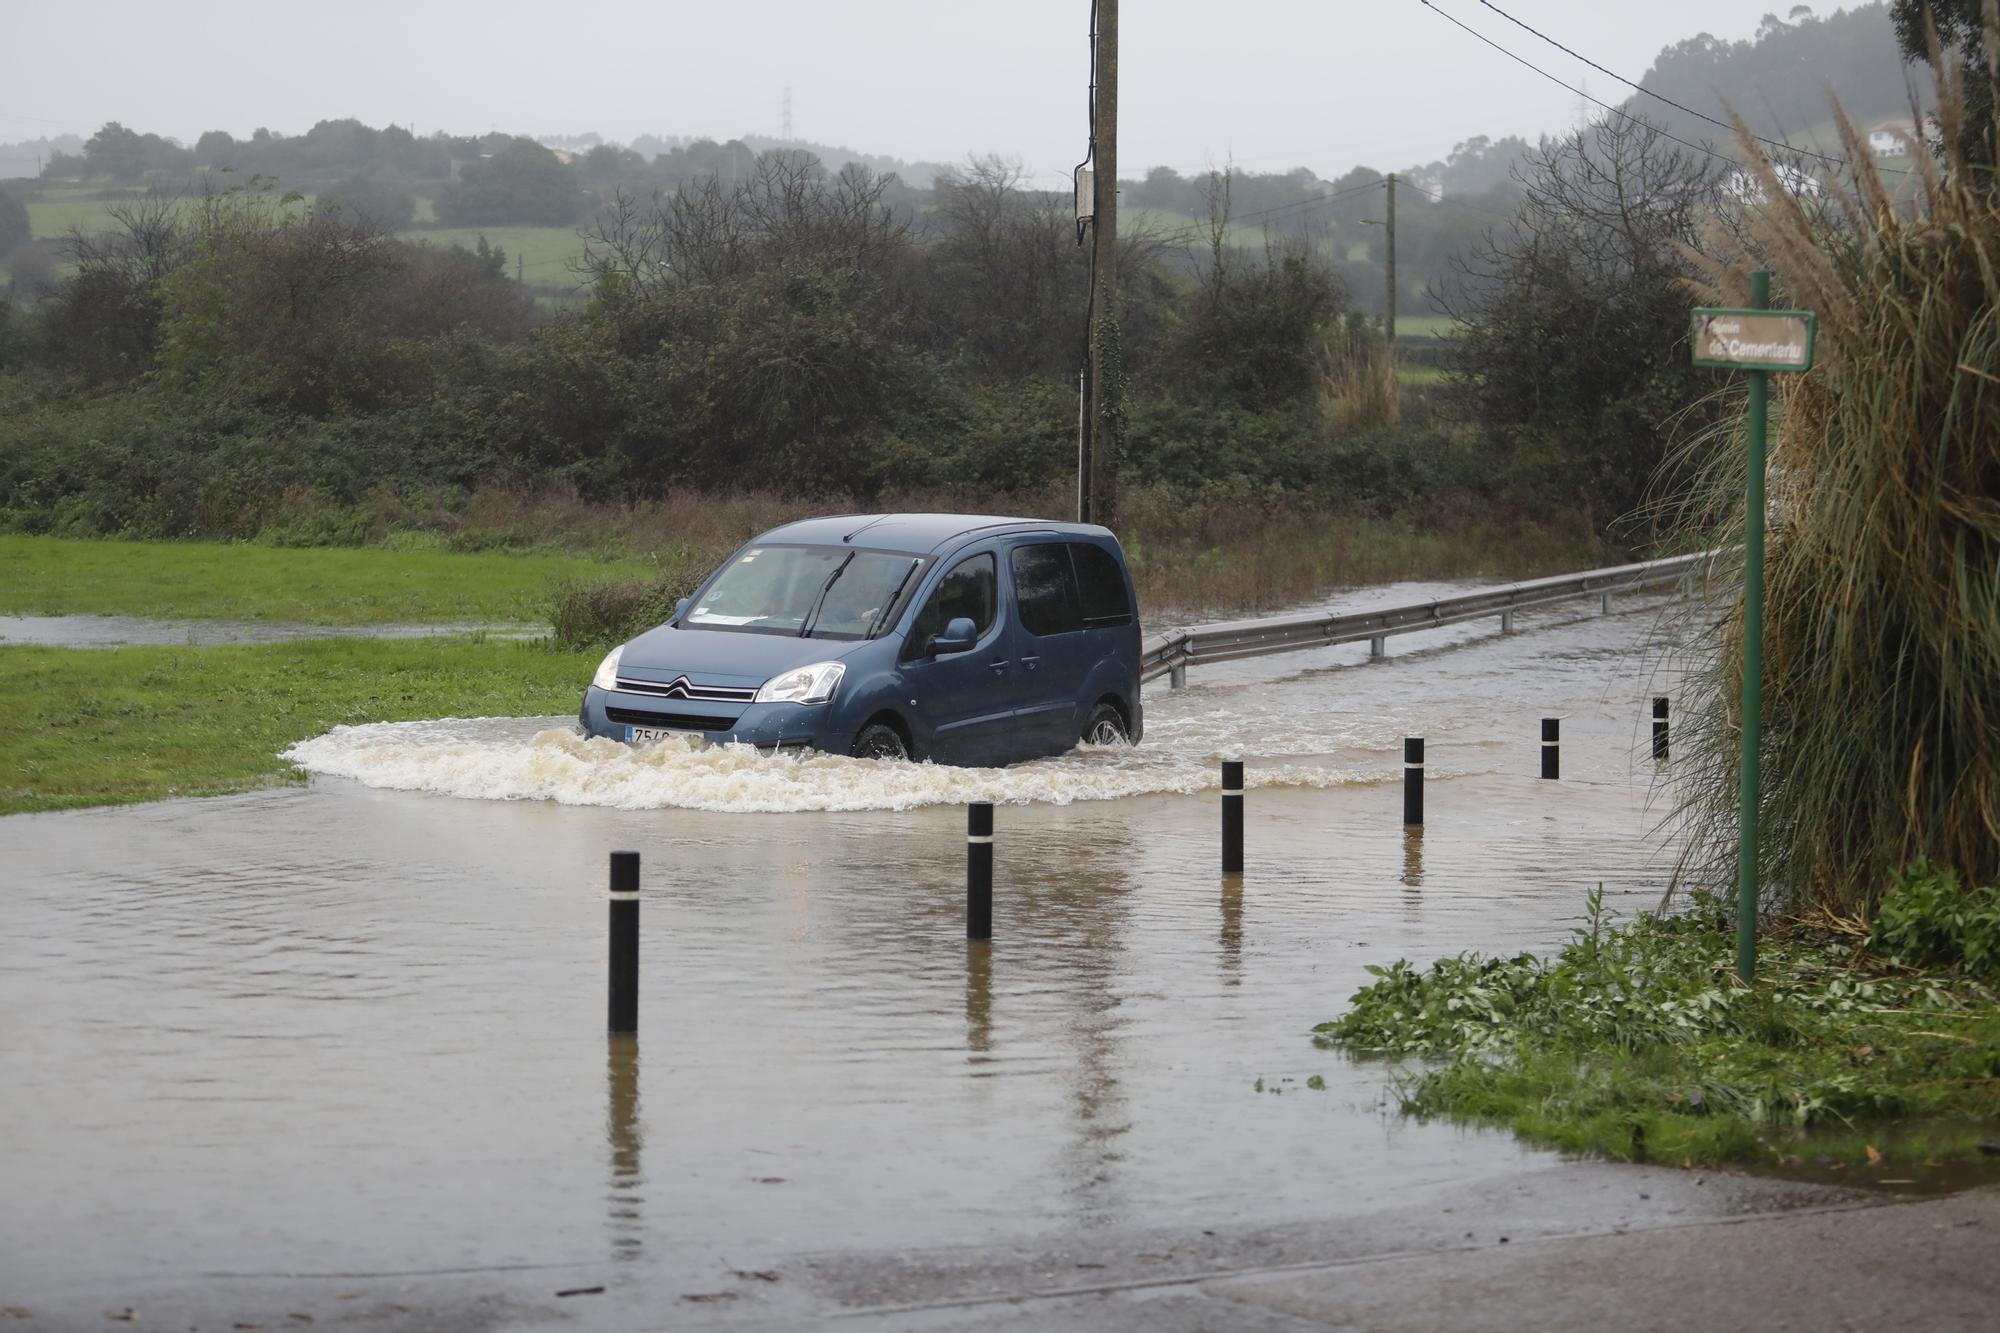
point(1255, 334)
point(1927, 920)
point(586, 615)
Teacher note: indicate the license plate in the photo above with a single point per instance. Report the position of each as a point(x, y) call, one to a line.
point(642, 735)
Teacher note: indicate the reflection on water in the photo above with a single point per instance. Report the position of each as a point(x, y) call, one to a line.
point(1232, 930)
point(978, 999)
point(626, 1138)
point(348, 1028)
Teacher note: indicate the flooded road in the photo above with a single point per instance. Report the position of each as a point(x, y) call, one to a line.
point(124, 631)
point(355, 1031)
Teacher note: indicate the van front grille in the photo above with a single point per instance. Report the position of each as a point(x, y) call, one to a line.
point(642, 717)
point(683, 688)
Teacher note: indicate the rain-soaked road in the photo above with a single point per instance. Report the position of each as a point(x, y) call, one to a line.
point(327, 1044)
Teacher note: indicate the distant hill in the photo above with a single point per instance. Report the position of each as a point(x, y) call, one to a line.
point(833, 157)
point(1779, 80)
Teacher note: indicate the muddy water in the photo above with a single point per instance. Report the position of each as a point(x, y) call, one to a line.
point(357, 1028)
point(126, 631)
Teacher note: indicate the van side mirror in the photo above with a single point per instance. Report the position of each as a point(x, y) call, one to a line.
point(959, 634)
point(680, 607)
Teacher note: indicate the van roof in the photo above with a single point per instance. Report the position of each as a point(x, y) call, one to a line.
point(918, 534)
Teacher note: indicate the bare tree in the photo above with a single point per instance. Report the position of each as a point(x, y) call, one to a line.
point(709, 231)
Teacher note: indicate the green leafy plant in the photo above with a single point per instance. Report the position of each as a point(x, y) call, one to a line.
point(1636, 1041)
point(1928, 920)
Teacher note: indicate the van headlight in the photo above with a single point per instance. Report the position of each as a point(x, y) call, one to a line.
point(813, 684)
point(607, 670)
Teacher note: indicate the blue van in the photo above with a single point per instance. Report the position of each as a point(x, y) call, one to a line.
point(952, 637)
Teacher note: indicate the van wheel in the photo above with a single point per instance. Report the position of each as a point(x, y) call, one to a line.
point(879, 740)
point(1105, 727)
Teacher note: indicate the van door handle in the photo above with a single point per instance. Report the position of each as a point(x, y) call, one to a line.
point(998, 667)
point(1031, 661)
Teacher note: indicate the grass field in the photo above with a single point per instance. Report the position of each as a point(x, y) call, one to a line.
point(316, 586)
point(545, 252)
point(57, 212)
point(81, 728)
point(1422, 326)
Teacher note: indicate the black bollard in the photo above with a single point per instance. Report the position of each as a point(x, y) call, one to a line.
point(1551, 747)
point(1660, 726)
point(624, 1008)
point(979, 870)
point(1232, 816)
point(1413, 781)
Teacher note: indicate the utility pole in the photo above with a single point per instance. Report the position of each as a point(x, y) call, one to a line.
point(1106, 394)
point(1389, 319)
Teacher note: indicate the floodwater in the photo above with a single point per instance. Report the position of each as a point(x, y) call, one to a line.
point(356, 1029)
point(127, 631)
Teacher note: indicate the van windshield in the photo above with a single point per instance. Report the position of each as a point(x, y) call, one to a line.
point(814, 592)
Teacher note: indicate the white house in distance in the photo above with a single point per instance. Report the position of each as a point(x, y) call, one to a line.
point(1744, 188)
point(1893, 138)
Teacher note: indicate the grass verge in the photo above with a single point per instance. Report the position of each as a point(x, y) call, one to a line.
point(316, 586)
point(1637, 1043)
point(81, 728)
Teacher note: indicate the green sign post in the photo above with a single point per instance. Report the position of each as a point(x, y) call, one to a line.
point(1757, 341)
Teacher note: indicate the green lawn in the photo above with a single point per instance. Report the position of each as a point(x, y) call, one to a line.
point(57, 212)
point(315, 586)
point(81, 727)
point(1422, 326)
point(545, 252)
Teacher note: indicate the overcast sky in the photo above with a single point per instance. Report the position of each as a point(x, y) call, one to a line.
point(1273, 83)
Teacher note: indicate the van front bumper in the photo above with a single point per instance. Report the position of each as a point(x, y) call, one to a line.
point(612, 713)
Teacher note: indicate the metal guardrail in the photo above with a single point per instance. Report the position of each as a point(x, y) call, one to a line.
point(1172, 653)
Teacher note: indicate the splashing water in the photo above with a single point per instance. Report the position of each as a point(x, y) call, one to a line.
point(546, 759)
point(1302, 722)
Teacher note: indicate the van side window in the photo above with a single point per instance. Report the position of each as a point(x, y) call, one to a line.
point(1100, 585)
point(1045, 589)
point(970, 588)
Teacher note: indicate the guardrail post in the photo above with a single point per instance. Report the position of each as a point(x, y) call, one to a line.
point(1660, 726)
point(979, 870)
point(1551, 747)
point(1177, 675)
point(1378, 647)
point(1506, 622)
point(624, 977)
point(1413, 781)
point(1604, 605)
point(1232, 816)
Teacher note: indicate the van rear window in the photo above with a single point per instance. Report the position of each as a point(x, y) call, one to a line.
point(1101, 585)
point(1043, 590)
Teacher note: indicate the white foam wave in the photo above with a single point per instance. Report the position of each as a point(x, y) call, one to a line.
point(518, 759)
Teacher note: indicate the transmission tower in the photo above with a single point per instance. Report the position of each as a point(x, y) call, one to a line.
point(786, 134)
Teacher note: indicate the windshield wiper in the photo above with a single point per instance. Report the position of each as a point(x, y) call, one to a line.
point(875, 625)
point(812, 616)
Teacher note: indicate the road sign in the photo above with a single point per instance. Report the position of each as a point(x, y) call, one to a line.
point(1754, 339)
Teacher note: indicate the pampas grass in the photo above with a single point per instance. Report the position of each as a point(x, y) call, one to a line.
point(1881, 725)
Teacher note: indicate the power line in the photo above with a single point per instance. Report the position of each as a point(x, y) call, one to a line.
point(1524, 61)
point(1662, 97)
